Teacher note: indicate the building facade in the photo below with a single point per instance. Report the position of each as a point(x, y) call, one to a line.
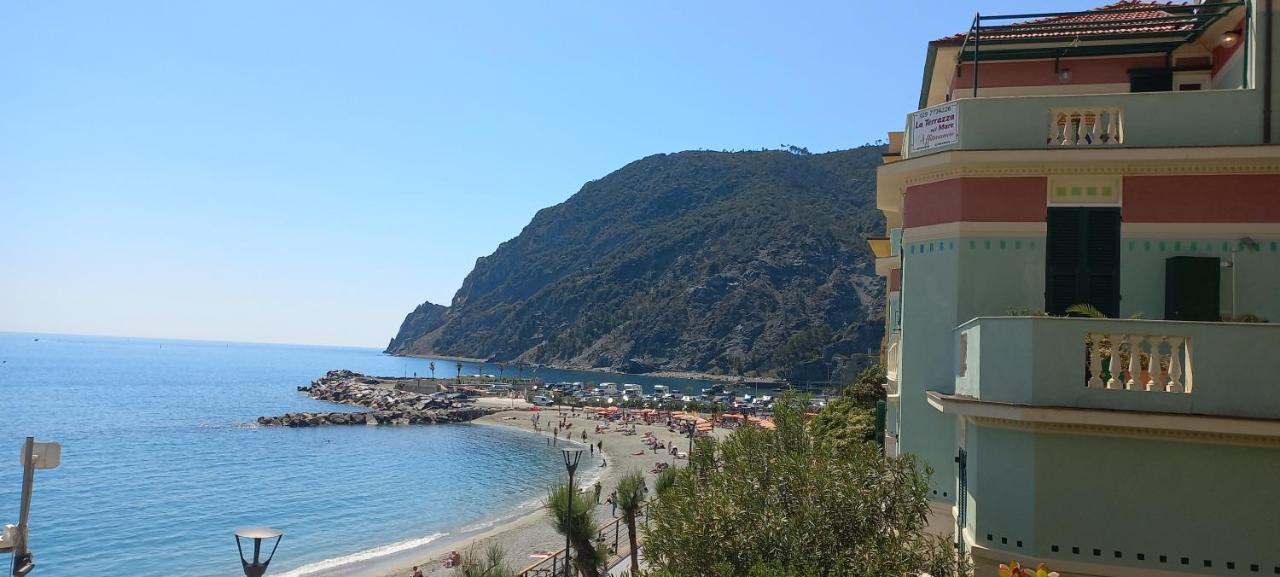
point(1118, 163)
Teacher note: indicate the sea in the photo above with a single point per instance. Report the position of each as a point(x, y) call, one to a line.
point(162, 460)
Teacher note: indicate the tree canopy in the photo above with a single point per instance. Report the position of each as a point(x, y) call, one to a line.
point(785, 502)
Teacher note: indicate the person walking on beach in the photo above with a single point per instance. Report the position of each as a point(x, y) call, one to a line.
point(584, 435)
point(613, 502)
point(597, 488)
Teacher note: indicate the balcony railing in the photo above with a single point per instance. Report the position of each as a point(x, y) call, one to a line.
point(1138, 362)
point(892, 361)
point(1219, 369)
point(1086, 126)
point(1140, 119)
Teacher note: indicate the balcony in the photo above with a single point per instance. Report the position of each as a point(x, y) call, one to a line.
point(892, 361)
point(1128, 120)
point(1190, 368)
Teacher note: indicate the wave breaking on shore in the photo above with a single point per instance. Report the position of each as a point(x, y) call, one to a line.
point(328, 566)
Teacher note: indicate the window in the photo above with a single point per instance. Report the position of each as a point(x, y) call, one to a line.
point(1082, 259)
point(1151, 80)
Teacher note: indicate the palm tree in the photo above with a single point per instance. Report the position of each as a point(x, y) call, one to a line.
point(432, 367)
point(666, 479)
point(580, 528)
point(631, 490)
point(488, 563)
point(502, 368)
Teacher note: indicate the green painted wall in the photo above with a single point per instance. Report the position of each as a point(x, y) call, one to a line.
point(1002, 491)
point(1257, 274)
point(998, 274)
point(1132, 496)
point(929, 316)
point(945, 283)
point(1233, 368)
point(948, 282)
point(1272, 20)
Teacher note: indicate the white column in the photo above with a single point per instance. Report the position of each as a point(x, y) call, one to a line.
point(1117, 377)
point(1175, 366)
point(1153, 365)
point(1095, 361)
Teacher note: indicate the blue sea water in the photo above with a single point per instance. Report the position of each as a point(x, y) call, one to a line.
point(161, 460)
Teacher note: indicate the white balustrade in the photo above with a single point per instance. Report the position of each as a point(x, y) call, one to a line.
point(1167, 361)
point(1102, 126)
point(893, 359)
point(891, 362)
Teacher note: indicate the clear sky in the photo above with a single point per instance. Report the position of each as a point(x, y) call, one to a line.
point(309, 171)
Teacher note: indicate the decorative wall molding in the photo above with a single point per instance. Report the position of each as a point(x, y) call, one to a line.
point(1084, 190)
point(1209, 160)
point(1166, 168)
point(1184, 427)
point(949, 230)
point(1209, 230)
point(1132, 432)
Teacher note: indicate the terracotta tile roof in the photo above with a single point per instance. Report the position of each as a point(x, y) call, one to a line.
point(1095, 24)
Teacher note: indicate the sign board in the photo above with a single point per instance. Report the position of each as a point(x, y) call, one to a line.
point(935, 127)
point(48, 455)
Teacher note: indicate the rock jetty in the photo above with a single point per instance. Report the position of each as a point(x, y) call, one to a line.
point(388, 405)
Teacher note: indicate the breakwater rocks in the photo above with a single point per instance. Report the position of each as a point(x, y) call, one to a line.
point(389, 405)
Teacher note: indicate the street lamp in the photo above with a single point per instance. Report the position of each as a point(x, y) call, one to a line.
point(13, 538)
point(258, 566)
point(693, 428)
point(571, 458)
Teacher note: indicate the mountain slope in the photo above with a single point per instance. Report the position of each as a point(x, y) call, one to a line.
point(700, 261)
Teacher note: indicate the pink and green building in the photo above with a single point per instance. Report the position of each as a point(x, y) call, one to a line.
point(1123, 158)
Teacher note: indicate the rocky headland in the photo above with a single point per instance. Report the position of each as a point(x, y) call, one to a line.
point(700, 262)
point(388, 405)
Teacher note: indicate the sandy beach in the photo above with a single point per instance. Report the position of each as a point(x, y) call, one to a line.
point(530, 535)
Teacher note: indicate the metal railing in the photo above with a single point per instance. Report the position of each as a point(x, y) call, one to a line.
point(615, 531)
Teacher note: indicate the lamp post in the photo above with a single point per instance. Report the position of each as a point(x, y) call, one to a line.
point(693, 428)
point(14, 537)
point(571, 458)
point(257, 566)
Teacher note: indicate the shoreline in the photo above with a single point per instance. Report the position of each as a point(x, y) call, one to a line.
point(661, 374)
point(523, 534)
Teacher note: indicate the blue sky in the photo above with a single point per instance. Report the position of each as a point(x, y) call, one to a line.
point(308, 172)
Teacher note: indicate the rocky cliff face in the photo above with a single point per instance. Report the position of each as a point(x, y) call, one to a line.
point(425, 318)
point(698, 261)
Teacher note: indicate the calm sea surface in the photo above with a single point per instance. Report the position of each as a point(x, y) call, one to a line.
point(160, 460)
